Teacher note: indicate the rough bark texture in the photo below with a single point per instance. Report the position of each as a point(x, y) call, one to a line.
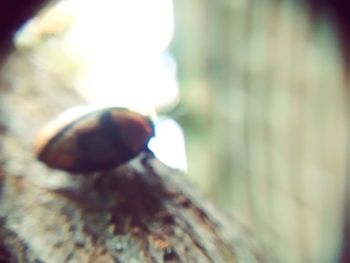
point(142, 211)
point(137, 213)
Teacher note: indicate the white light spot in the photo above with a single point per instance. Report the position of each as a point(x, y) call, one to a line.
point(169, 144)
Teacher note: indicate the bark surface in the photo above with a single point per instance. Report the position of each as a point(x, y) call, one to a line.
point(142, 211)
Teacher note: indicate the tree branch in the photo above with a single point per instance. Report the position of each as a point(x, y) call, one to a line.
point(142, 211)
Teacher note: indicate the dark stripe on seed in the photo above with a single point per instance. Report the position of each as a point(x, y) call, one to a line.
point(112, 132)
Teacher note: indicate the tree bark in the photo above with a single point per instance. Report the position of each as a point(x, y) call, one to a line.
point(142, 211)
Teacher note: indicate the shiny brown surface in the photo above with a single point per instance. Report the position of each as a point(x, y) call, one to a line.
point(98, 140)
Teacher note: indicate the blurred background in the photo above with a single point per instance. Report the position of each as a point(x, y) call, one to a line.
point(249, 97)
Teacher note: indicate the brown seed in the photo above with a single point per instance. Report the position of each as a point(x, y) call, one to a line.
point(93, 141)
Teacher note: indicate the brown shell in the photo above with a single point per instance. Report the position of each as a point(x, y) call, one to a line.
point(94, 141)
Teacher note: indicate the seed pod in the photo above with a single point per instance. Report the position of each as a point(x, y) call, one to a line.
point(94, 141)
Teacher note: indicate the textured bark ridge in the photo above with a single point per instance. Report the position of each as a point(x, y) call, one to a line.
point(142, 211)
point(139, 212)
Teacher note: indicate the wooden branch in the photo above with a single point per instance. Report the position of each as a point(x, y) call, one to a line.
point(139, 212)
point(142, 211)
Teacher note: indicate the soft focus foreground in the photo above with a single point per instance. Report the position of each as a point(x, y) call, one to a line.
point(262, 104)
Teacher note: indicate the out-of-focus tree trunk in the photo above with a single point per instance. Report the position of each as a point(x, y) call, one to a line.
point(264, 82)
point(340, 15)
